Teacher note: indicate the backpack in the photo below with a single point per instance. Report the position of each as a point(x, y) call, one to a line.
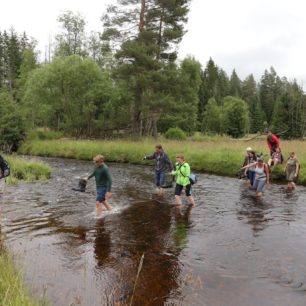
point(5, 168)
point(192, 177)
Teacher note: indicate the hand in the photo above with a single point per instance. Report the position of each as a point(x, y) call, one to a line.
point(108, 194)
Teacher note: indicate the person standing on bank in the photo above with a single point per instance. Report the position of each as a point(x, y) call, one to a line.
point(163, 165)
point(182, 173)
point(103, 183)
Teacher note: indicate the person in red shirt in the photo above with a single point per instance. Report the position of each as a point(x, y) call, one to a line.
point(273, 143)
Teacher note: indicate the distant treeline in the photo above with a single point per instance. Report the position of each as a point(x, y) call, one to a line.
point(126, 81)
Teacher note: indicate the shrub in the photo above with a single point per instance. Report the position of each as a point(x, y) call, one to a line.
point(176, 134)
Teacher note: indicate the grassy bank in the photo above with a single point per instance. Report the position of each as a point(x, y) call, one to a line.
point(220, 156)
point(12, 292)
point(26, 170)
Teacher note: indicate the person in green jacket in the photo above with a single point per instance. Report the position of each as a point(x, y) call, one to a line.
point(103, 182)
point(182, 173)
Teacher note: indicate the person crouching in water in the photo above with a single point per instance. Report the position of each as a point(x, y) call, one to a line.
point(103, 183)
point(262, 175)
point(182, 173)
point(292, 170)
point(163, 165)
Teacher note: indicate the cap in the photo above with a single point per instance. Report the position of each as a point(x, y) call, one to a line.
point(249, 149)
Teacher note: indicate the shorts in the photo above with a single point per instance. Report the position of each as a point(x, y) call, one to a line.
point(101, 192)
point(159, 178)
point(179, 188)
point(259, 185)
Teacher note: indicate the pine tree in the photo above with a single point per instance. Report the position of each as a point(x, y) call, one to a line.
point(143, 36)
point(235, 85)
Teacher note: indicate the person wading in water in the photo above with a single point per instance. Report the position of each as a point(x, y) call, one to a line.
point(103, 183)
point(163, 165)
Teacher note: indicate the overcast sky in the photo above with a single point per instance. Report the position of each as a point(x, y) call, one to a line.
point(250, 36)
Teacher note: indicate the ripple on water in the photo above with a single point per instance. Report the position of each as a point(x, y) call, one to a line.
point(231, 249)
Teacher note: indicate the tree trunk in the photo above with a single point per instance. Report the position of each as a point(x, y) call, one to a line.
point(142, 15)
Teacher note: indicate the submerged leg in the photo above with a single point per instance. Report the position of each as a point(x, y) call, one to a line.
point(178, 201)
point(106, 204)
point(98, 207)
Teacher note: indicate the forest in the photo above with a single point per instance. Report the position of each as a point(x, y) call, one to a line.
point(126, 81)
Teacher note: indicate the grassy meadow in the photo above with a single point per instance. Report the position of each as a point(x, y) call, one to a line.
point(217, 155)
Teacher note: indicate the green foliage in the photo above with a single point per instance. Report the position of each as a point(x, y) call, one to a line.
point(40, 134)
point(175, 134)
point(12, 129)
point(212, 121)
point(144, 39)
point(68, 94)
point(27, 170)
point(236, 117)
point(72, 39)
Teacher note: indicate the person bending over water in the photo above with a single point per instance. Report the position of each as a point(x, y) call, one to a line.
point(182, 173)
point(162, 166)
point(103, 183)
point(292, 170)
point(261, 175)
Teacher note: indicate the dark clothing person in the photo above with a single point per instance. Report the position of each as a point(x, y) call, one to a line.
point(162, 166)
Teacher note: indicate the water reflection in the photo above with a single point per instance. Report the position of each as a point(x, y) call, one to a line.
point(102, 244)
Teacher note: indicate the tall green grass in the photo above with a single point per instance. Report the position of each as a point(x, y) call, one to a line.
point(26, 170)
point(12, 292)
point(218, 155)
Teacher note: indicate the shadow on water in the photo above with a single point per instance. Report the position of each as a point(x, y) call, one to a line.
point(231, 249)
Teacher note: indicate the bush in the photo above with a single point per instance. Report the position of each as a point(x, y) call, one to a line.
point(176, 134)
point(12, 129)
point(44, 135)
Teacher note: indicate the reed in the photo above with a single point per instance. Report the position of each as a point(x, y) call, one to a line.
point(12, 292)
point(26, 170)
point(219, 155)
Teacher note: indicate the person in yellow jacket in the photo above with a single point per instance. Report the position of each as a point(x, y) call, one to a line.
point(182, 173)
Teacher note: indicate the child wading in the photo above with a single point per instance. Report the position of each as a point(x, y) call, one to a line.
point(103, 183)
point(182, 174)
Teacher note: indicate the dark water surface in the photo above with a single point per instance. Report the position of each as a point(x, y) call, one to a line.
point(231, 249)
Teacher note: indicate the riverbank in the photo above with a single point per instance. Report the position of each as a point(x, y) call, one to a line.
point(12, 292)
point(26, 170)
point(216, 156)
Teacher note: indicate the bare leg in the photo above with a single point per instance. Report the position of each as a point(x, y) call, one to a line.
point(98, 207)
point(191, 201)
point(161, 191)
point(106, 204)
point(178, 201)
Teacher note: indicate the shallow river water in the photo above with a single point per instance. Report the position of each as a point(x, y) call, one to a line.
point(230, 250)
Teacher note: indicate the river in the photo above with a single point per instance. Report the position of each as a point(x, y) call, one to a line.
point(230, 250)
